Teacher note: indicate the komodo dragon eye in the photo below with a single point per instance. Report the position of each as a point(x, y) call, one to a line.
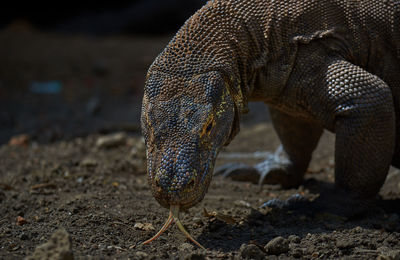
point(208, 127)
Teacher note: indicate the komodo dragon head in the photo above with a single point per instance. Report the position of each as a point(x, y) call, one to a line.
point(185, 121)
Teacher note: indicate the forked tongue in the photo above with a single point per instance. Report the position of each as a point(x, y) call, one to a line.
point(174, 209)
point(173, 216)
point(166, 225)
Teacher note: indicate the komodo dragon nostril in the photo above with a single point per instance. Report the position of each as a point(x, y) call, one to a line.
point(190, 185)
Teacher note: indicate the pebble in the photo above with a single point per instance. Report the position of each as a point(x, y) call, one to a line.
point(112, 140)
point(21, 221)
point(343, 244)
point(144, 226)
point(251, 252)
point(315, 255)
point(277, 246)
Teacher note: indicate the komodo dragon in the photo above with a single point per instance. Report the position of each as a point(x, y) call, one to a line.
point(317, 64)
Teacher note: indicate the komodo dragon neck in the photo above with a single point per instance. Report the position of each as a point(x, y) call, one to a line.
point(222, 37)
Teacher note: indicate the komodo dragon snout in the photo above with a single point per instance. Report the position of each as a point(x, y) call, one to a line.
point(184, 125)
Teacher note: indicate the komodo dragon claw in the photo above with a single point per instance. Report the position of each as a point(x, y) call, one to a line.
point(273, 170)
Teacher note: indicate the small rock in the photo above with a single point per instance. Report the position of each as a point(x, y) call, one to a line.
point(315, 255)
point(277, 246)
point(20, 140)
point(58, 247)
point(144, 226)
point(112, 140)
point(251, 252)
point(21, 221)
point(344, 244)
point(358, 229)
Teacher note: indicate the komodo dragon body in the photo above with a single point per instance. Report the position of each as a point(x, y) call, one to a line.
point(326, 64)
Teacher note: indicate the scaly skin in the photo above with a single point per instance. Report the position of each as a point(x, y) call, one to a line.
point(330, 64)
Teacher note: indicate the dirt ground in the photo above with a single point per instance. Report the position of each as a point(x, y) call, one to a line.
point(82, 169)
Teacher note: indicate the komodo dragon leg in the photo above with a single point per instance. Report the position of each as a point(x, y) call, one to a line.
point(362, 116)
point(357, 106)
point(289, 162)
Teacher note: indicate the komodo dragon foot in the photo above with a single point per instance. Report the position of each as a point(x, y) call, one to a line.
point(275, 169)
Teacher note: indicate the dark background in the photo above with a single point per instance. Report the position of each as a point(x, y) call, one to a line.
point(102, 17)
point(68, 69)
